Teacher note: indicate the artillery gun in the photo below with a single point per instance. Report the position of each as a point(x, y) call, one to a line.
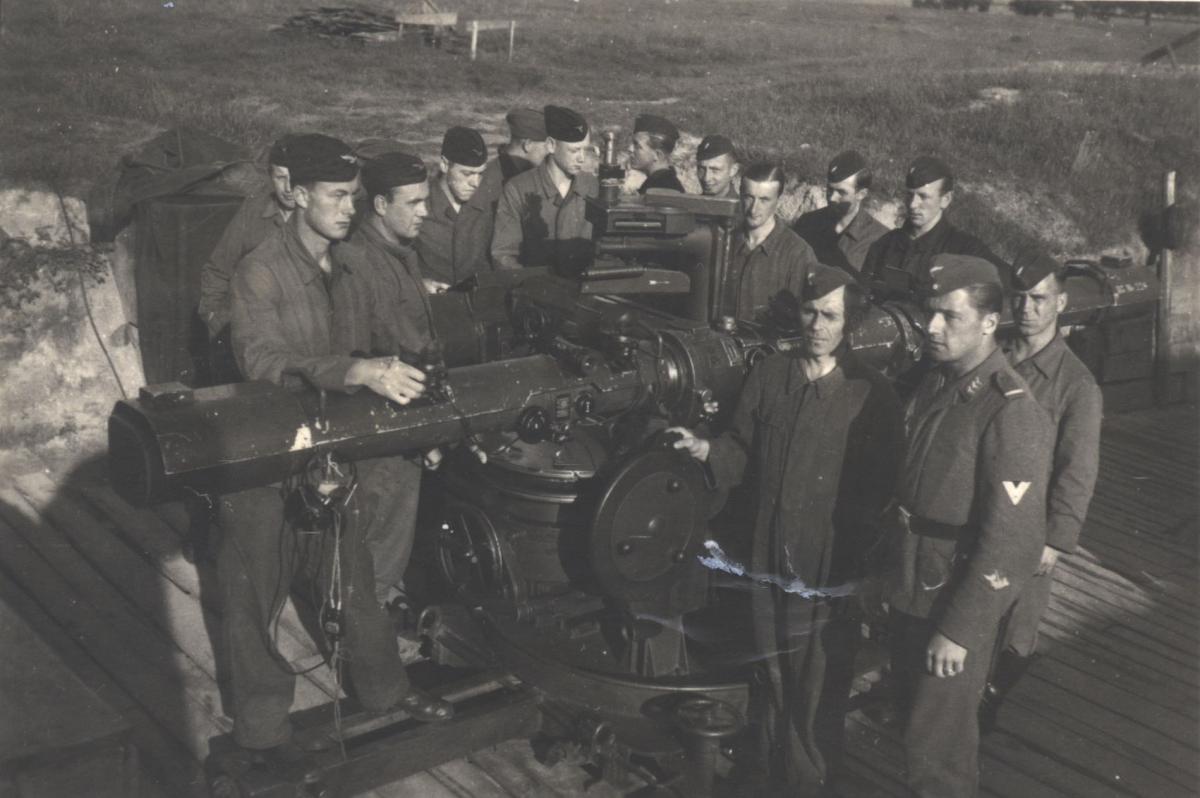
point(570, 601)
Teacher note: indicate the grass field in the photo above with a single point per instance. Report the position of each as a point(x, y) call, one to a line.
point(87, 82)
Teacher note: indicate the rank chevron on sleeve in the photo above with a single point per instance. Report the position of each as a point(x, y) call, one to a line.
point(1016, 490)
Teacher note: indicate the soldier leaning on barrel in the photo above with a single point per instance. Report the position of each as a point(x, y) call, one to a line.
point(842, 232)
point(448, 253)
point(1065, 388)
point(541, 218)
point(822, 434)
point(384, 309)
point(970, 526)
point(285, 304)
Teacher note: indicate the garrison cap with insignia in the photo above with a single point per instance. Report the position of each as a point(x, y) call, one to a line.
point(1030, 267)
point(464, 146)
point(390, 170)
point(714, 147)
point(823, 280)
point(925, 169)
point(526, 123)
point(844, 165)
point(278, 154)
point(314, 158)
point(950, 272)
point(650, 123)
point(564, 124)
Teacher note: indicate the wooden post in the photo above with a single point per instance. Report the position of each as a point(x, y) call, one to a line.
point(512, 37)
point(474, 37)
point(1162, 326)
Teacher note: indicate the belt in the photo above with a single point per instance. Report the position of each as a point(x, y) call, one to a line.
point(924, 527)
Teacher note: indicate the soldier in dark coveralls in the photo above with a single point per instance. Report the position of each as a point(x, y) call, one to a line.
point(654, 140)
point(768, 256)
point(525, 149)
point(447, 256)
point(819, 434)
point(842, 232)
point(929, 190)
point(1068, 392)
point(383, 273)
point(541, 219)
point(970, 526)
point(259, 216)
point(285, 323)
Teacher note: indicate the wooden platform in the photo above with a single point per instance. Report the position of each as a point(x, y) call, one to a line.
point(1112, 708)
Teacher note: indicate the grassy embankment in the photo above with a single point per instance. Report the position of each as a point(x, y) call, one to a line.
point(87, 82)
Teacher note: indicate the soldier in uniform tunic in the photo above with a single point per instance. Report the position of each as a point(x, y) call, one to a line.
point(842, 232)
point(259, 215)
point(926, 233)
point(448, 256)
point(717, 167)
point(650, 151)
point(383, 285)
point(284, 311)
point(822, 435)
point(970, 524)
point(541, 220)
point(1067, 391)
point(767, 256)
point(525, 149)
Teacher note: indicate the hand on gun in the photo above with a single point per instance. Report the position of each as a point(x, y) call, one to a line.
point(390, 377)
point(696, 447)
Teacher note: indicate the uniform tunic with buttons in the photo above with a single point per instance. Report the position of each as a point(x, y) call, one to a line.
point(536, 226)
point(823, 455)
point(847, 249)
point(755, 275)
point(897, 249)
point(477, 217)
point(972, 526)
point(452, 244)
point(1067, 391)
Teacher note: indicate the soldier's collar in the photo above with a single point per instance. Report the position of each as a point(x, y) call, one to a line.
point(974, 381)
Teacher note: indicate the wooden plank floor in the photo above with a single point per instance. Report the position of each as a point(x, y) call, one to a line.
point(1112, 707)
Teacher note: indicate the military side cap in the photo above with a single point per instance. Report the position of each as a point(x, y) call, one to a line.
point(278, 154)
point(526, 123)
point(462, 145)
point(369, 149)
point(845, 165)
point(314, 158)
point(950, 272)
point(714, 147)
point(392, 169)
point(564, 124)
point(650, 123)
point(925, 169)
point(824, 280)
point(1031, 267)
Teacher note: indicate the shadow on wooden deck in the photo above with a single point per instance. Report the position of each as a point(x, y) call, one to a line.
point(1111, 708)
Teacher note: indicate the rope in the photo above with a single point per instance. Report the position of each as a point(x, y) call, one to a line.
point(87, 305)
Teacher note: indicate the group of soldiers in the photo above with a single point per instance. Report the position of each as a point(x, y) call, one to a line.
point(957, 498)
